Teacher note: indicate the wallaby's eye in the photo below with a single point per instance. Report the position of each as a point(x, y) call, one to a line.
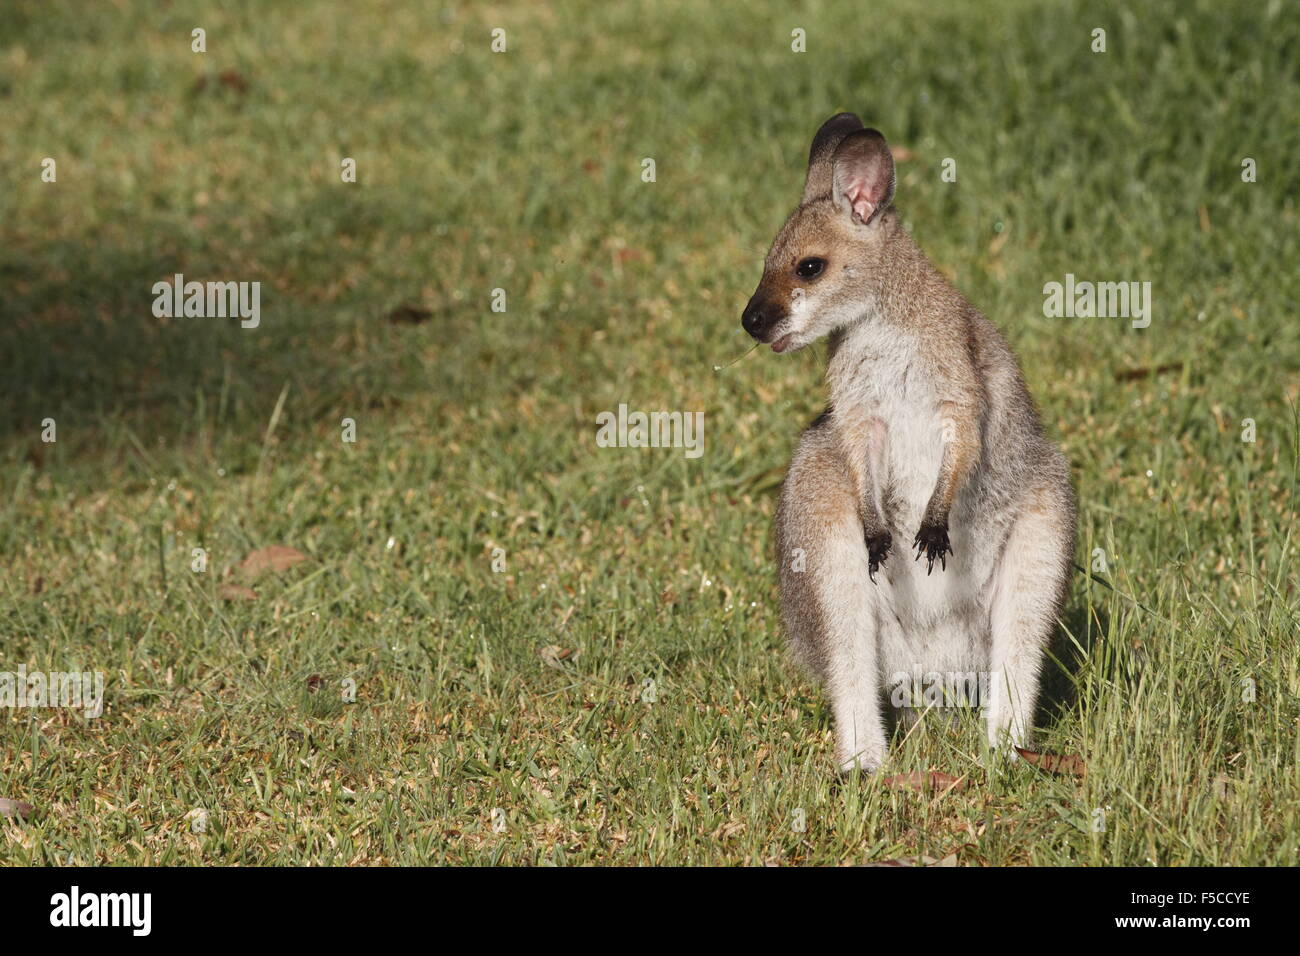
point(810, 268)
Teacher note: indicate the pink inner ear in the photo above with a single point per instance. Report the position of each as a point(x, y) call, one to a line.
point(859, 200)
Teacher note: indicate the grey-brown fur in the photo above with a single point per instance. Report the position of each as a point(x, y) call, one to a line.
point(930, 440)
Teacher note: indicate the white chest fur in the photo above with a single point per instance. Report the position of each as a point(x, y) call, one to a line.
point(878, 372)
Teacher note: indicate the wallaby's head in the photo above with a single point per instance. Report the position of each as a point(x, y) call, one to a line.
point(832, 251)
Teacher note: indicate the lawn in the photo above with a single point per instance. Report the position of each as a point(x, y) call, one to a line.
point(570, 654)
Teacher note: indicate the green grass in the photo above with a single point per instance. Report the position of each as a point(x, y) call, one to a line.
point(476, 430)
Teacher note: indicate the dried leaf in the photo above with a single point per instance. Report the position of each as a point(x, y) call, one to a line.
point(923, 860)
point(237, 592)
point(275, 558)
point(1222, 786)
point(17, 809)
point(553, 655)
point(226, 79)
point(1055, 763)
point(408, 314)
point(907, 861)
point(233, 80)
point(1133, 374)
point(728, 830)
point(931, 781)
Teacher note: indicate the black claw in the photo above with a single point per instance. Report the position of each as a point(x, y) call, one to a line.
point(932, 541)
point(877, 551)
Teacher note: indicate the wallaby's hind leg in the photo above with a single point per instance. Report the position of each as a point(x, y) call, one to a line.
point(827, 599)
point(1029, 588)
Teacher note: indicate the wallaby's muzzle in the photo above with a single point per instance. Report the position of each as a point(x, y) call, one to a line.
point(761, 317)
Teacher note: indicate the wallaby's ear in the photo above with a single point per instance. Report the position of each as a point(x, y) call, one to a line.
point(863, 175)
point(833, 131)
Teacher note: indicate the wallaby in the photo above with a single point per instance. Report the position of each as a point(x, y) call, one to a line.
point(929, 435)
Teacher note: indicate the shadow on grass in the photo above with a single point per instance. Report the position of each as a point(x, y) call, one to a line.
point(79, 343)
point(1059, 691)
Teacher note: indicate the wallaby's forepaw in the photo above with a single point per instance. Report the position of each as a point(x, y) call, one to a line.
point(932, 541)
point(877, 550)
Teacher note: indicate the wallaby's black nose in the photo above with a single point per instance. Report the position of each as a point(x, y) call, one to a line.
point(757, 319)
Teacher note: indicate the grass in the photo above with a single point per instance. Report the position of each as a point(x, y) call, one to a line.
point(472, 739)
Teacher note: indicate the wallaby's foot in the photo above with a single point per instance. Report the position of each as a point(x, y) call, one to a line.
point(932, 541)
point(1002, 753)
point(877, 550)
point(866, 761)
point(860, 743)
point(1006, 729)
